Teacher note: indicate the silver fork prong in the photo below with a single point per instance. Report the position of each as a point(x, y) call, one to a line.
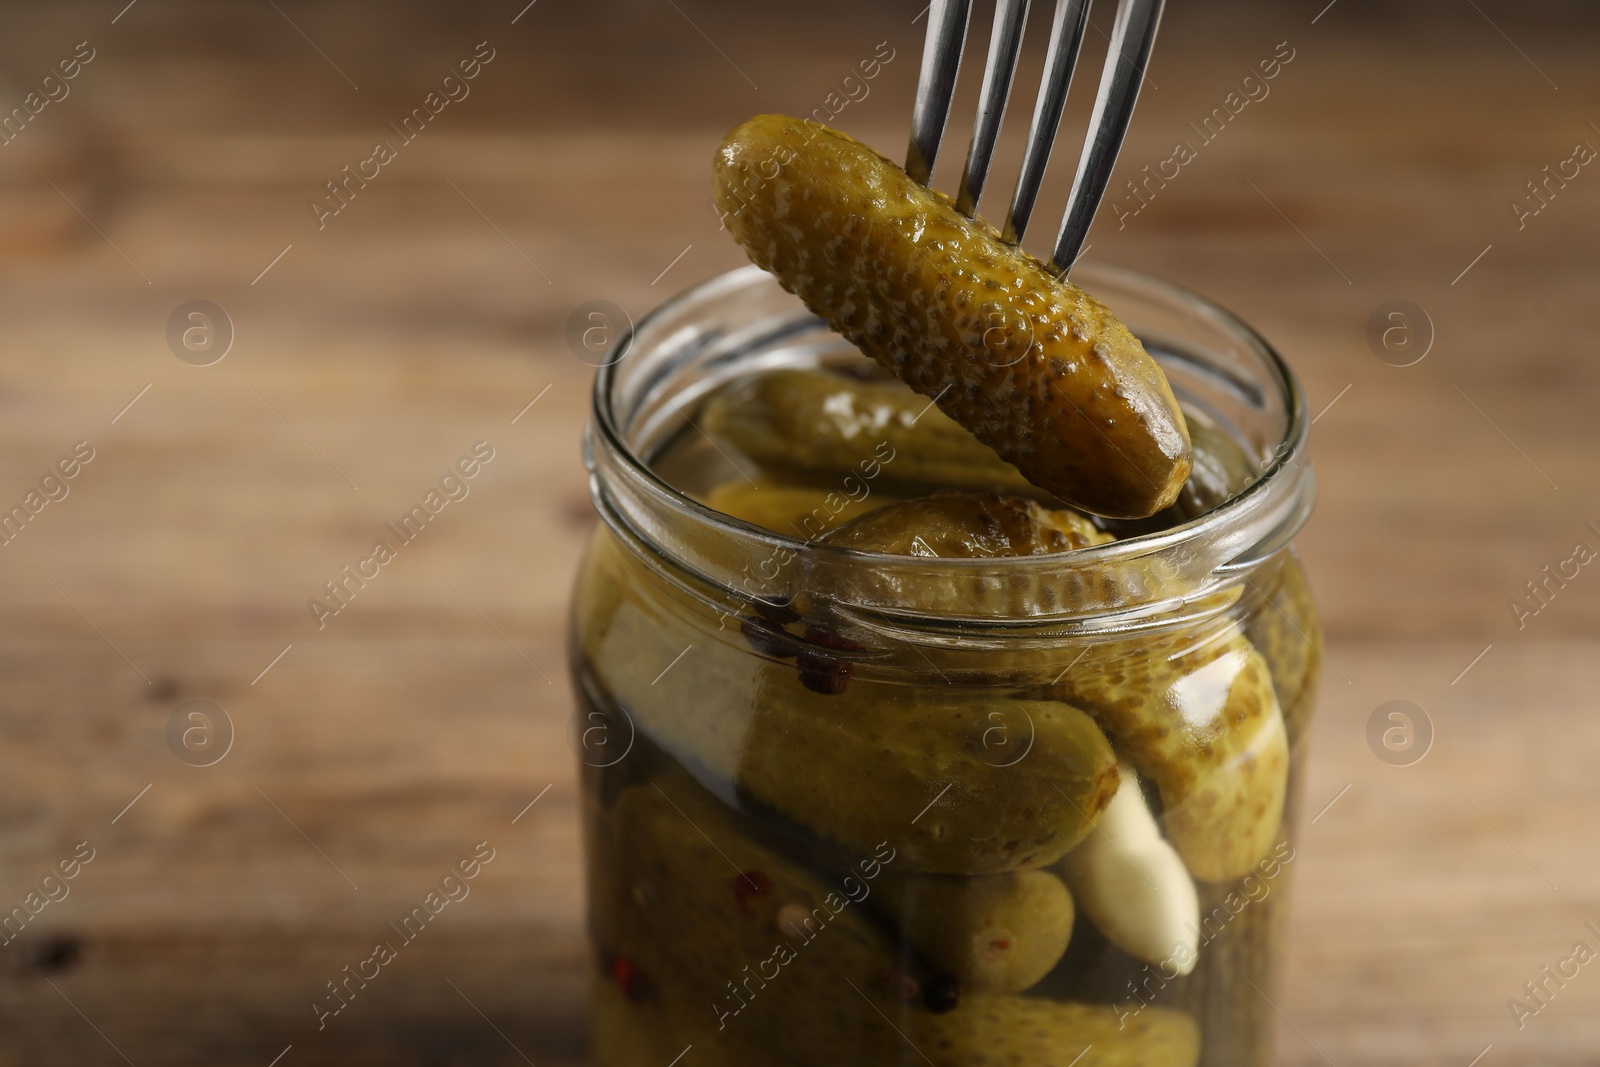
point(1066, 34)
point(1005, 44)
point(941, 60)
point(1132, 37)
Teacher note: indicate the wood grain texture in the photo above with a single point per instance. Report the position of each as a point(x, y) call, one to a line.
point(427, 314)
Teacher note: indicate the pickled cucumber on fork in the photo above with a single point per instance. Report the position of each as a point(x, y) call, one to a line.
point(832, 427)
point(785, 964)
point(1032, 365)
point(1221, 470)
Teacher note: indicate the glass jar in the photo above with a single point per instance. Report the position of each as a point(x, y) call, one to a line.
point(843, 807)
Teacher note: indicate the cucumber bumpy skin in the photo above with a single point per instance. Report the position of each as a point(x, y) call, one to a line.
point(825, 425)
point(951, 525)
point(1035, 367)
point(1289, 636)
point(1195, 712)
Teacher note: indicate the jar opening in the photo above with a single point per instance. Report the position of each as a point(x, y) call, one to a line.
point(658, 373)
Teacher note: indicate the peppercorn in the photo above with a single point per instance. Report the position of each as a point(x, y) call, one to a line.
point(940, 995)
point(767, 638)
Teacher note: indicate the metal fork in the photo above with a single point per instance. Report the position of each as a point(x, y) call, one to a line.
point(1132, 38)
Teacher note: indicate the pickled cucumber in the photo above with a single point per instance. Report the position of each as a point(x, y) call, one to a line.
point(968, 526)
point(858, 766)
point(952, 525)
point(800, 511)
point(997, 933)
point(734, 938)
point(789, 967)
point(1286, 630)
point(831, 426)
point(1221, 471)
point(911, 763)
point(1022, 1031)
point(636, 1032)
point(1195, 712)
point(1036, 368)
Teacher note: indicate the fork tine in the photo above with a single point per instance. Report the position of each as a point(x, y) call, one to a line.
point(941, 59)
point(1005, 43)
point(1120, 81)
point(1066, 34)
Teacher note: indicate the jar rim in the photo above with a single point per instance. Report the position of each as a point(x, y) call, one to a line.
point(1283, 491)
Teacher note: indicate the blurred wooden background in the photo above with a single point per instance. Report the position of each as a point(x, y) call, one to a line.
point(368, 356)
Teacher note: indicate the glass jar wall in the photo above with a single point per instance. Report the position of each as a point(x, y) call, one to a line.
point(850, 807)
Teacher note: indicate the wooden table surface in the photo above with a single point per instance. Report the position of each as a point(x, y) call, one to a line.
point(370, 755)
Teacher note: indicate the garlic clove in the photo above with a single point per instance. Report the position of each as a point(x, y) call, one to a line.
point(1133, 885)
